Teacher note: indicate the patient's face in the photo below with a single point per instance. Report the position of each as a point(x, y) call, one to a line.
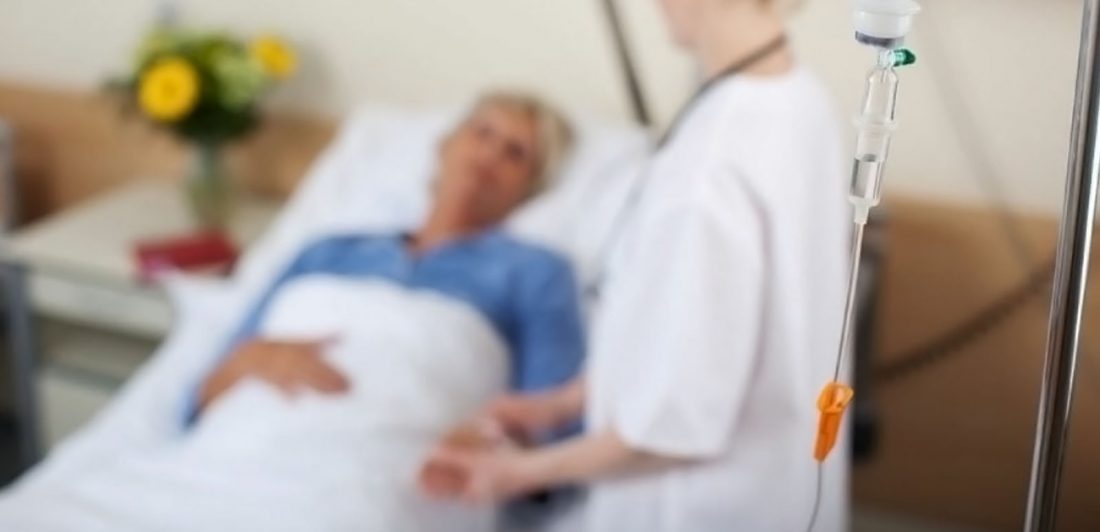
point(487, 166)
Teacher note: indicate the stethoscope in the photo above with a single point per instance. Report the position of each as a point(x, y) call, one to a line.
point(625, 214)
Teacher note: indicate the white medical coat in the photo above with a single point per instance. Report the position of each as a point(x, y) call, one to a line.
point(721, 317)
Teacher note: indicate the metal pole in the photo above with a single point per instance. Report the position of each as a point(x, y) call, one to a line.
point(626, 62)
point(24, 355)
point(1070, 281)
point(8, 214)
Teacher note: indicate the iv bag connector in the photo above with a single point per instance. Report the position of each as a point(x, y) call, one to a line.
point(903, 57)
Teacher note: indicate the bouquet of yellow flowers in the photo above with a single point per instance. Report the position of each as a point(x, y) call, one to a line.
point(205, 86)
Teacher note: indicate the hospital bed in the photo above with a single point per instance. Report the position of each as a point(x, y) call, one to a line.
point(375, 176)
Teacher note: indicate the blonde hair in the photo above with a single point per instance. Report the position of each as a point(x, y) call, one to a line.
point(553, 129)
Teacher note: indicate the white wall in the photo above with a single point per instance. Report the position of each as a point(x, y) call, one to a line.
point(1014, 68)
point(417, 51)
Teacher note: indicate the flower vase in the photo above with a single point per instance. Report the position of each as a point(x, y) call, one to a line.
point(210, 191)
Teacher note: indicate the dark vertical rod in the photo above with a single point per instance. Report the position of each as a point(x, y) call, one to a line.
point(23, 356)
point(17, 311)
point(8, 205)
point(626, 61)
point(1070, 283)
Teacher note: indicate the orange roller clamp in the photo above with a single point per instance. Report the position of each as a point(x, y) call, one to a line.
point(832, 403)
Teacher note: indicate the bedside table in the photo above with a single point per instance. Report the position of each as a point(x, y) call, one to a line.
point(81, 319)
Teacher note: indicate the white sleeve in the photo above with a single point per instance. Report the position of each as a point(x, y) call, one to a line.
point(690, 337)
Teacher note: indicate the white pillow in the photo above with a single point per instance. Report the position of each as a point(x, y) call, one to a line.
point(376, 177)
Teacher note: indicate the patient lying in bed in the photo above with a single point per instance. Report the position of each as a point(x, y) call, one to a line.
point(354, 361)
point(488, 167)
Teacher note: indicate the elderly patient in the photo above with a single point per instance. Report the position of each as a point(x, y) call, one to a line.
point(504, 153)
point(353, 362)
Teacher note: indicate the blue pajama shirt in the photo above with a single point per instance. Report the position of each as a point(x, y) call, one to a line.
point(528, 294)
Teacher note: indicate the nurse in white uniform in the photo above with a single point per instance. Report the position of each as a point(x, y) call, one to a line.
point(719, 319)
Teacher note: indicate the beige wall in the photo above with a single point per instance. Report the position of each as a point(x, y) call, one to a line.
point(1014, 67)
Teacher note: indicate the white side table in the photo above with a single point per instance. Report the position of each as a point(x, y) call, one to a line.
point(77, 268)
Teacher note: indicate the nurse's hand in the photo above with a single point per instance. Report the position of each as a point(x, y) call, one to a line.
point(526, 417)
point(288, 366)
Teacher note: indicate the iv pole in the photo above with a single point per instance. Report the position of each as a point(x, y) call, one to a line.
point(626, 62)
point(1070, 282)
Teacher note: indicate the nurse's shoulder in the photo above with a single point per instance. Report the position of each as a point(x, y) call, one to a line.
point(778, 112)
point(782, 134)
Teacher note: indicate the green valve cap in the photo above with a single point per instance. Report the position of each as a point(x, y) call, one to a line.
point(904, 57)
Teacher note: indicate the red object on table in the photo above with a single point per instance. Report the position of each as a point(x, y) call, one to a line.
point(207, 251)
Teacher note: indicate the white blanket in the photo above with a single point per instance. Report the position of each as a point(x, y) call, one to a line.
point(418, 363)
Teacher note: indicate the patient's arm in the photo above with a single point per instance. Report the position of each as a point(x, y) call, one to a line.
point(550, 336)
point(289, 366)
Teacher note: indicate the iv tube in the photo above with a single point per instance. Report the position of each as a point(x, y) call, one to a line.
point(876, 124)
point(883, 25)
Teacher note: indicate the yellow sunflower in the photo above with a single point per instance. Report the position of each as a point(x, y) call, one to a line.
point(169, 89)
point(276, 56)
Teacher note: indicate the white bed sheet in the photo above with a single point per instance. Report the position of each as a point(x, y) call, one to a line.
point(418, 363)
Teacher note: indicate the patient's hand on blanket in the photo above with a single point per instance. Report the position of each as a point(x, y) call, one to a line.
point(290, 367)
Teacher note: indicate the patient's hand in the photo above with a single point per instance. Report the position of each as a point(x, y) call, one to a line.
point(289, 366)
point(457, 468)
